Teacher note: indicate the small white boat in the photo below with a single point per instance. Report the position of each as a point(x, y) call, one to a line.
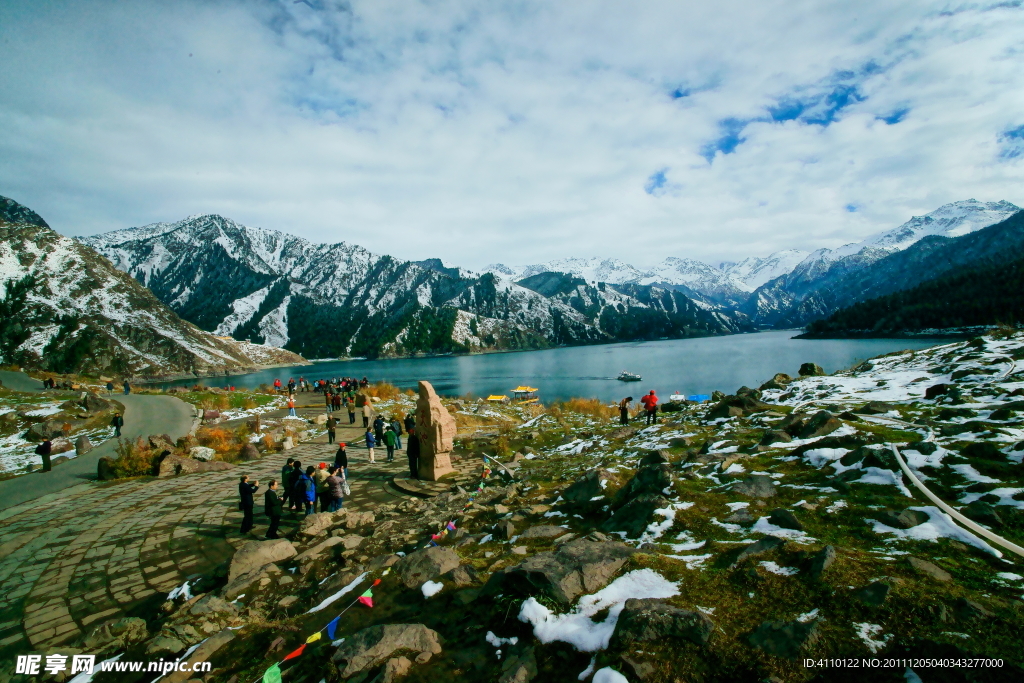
point(629, 377)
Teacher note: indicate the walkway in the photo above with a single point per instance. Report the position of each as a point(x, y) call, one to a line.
point(144, 415)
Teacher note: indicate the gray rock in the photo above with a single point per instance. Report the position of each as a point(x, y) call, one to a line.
point(255, 554)
point(163, 644)
point(249, 452)
point(96, 404)
point(741, 516)
point(636, 515)
point(520, 667)
point(822, 560)
point(811, 370)
point(983, 512)
point(651, 479)
point(775, 436)
point(240, 584)
point(929, 569)
point(822, 424)
point(785, 638)
point(649, 619)
point(211, 604)
point(373, 646)
point(115, 635)
point(203, 653)
point(659, 457)
point(967, 610)
point(923, 447)
point(759, 547)
point(904, 520)
point(105, 468)
point(461, 576)
point(316, 524)
point(425, 565)
point(784, 518)
point(505, 530)
point(543, 531)
point(873, 594)
point(82, 445)
point(201, 453)
point(756, 486)
point(578, 567)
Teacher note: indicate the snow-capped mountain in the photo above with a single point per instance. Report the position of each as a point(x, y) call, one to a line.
point(949, 220)
point(755, 271)
point(327, 300)
point(67, 309)
point(612, 271)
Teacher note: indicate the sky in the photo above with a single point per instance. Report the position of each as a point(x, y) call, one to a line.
point(514, 132)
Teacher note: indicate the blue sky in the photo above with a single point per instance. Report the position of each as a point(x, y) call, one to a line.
point(514, 131)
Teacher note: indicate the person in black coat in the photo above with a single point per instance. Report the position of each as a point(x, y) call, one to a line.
point(410, 423)
point(273, 507)
point(378, 430)
point(412, 449)
point(245, 493)
point(44, 449)
point(341, 459)
point(293, 479)
point(117, 422)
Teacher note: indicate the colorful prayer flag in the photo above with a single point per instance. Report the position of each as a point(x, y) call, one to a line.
point(273, 674)
point(295, 654)
point(451, 526)
point(332, 627)
point(376, 582)
point(366, 598)
point(313, 638)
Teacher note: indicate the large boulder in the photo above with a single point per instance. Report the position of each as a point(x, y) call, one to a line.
point(173, 464)
point(589, 486)
point(650, 620)
point(785, 638)
point(105, 468)
point(755, 486)
point(737, 406)
point(811, 370)
point(249, 452)
point(779, 381)
point(635, 516)
point(936, 390)
point(577, 567)
point(373, 646)
point(255, 554)
point(201, 453)
point(822, 424)
point(759, 547)
point(652, 479)
point(47, 429)
point(316, 524)
point(82, 445)
point(417, 568)
point(543, 531)
point(96, 404)
point(61, 445)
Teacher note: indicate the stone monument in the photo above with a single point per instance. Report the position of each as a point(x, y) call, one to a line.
point(436, 430)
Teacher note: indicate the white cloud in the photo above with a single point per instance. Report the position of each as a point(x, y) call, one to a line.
point(516, 132)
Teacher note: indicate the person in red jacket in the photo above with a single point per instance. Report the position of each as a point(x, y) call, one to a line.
point(650, 402)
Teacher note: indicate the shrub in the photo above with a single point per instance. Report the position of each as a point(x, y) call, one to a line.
point(135, 459)
point(217, 438)
point(385, 391)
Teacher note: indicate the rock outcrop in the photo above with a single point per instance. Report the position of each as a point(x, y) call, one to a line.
point(435, 428)
point(256, 554)
point(375, 645)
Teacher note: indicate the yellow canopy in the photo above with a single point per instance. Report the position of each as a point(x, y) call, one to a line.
point(519, 390)
point(497, 398)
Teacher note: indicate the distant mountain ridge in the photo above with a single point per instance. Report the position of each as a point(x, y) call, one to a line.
point(771, 290)
point(328, 300)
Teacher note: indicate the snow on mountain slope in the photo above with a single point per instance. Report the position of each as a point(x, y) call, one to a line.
point(612, 271)
point(949, 220)
point(69, 310)
point(754, 271)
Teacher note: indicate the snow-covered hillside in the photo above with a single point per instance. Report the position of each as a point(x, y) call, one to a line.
point(69, 310)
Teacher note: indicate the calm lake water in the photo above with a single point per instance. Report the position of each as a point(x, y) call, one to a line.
point(687, 366)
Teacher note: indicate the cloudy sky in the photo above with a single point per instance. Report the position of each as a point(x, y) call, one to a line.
point(514, 131)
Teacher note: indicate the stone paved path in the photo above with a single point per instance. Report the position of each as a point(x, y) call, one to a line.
point(98, 551)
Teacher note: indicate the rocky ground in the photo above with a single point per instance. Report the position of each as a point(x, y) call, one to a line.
point(728, 542)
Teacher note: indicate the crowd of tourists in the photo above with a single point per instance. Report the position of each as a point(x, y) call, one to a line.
point(301, 490)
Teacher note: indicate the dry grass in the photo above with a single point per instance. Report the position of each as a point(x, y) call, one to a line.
point(583, 406)
point(219, 439)
point(385, 391)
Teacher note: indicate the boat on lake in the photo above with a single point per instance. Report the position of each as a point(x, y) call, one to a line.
point(629, 377)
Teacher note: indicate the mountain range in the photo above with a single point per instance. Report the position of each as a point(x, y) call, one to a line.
point(331, 300)
point(65, 308)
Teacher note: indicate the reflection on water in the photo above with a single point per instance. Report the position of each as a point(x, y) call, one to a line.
point(687, 366)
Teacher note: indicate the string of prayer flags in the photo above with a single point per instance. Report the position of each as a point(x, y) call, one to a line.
point(333, 627)
point(451, 526)
point(366, 598)
point(313, 638)
point(295, 653)
point(273, 674)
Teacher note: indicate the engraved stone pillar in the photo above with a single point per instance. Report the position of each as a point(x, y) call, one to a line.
point(436, 430)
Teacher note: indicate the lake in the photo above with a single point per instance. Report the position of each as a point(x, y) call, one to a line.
point(687, 366)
